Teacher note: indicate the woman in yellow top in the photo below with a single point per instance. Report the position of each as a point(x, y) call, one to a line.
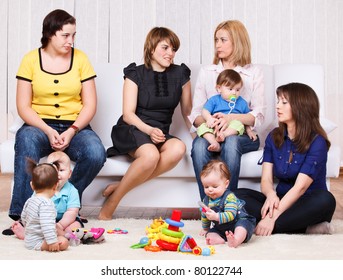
point(56, 98)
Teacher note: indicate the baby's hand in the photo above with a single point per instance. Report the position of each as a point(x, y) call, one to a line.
point(210, 122)
point(203, 206)
point(212, 215)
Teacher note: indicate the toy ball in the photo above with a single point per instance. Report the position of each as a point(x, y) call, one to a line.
point(197, 250)
point(212, 249)
point(206, 252)
point(144, 240)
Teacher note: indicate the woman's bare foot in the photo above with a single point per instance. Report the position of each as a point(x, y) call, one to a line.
point(321, 228)
point(18, 230)
point(106, 211)
point(231, 240)
point(104, 217)
point(109, 189)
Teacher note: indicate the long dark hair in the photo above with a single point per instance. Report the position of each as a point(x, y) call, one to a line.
point(305, 111)
point(53, 22)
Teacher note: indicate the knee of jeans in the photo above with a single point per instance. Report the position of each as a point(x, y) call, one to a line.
point(96, 153)
point(231, 141)
point(199, 147)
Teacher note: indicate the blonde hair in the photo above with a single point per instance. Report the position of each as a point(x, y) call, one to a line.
point(60, 157)
point(156, 35)
point(241, 54)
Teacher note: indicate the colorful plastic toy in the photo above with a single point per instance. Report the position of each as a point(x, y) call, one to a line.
point(145, 241)
point(204, 207)
point(117, 231)
point(169, 238)
point(187, 244)
point(155, 228)
point(152, 248)
point(97, 232)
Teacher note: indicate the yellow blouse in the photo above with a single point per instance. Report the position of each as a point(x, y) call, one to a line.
point(56, 96)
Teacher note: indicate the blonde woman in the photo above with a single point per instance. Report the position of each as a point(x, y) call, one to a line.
point(232, 51)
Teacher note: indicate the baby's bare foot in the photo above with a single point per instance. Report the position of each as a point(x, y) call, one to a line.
point(214, 147)
point(214, 239)
point(18, 230)
point(231, 240)
point(220, 137)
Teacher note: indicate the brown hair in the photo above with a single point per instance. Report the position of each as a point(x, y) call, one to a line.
point(54, 22)
point(218, 166)
point(44, 175)
point(305, 111)
point(241, 54)
point(156, 35)
point(229, 77)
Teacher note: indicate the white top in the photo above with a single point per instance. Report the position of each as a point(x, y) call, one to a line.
point(252, 91)
point(39, 219)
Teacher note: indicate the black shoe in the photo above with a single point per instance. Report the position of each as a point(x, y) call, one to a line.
point(8, 231)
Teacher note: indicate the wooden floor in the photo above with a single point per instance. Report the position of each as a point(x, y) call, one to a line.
point(336, 186)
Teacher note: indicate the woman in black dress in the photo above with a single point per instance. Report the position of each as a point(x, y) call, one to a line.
point(151, 93)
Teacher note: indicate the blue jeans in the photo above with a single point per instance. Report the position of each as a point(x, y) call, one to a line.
point(231, 152)
point(85, 149)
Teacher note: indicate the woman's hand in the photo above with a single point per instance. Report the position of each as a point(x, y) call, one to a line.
point(54, 138)
point(157, 136)
point(221, 122)
point(271, 203)
point(265, 226)
point(65, 139)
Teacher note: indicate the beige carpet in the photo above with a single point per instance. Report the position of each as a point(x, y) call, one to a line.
point(116, 246)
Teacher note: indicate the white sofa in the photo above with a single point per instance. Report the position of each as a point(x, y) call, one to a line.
point(177, 188)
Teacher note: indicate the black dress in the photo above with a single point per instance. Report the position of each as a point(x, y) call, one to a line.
point(159, 93)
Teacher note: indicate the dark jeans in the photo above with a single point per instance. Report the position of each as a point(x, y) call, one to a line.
point(231, 152)
point(310, 209)
point(85, 149)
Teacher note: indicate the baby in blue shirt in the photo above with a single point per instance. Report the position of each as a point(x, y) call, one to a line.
point(228, 101)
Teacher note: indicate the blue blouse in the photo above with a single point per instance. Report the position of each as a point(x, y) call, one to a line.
point(288, 163)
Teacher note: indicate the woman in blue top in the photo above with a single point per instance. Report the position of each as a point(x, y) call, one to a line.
point(295, 153)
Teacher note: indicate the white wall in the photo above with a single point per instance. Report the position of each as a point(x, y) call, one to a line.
point(281, 31)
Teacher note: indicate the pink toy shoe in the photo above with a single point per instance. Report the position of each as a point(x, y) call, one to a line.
point(97, 232)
